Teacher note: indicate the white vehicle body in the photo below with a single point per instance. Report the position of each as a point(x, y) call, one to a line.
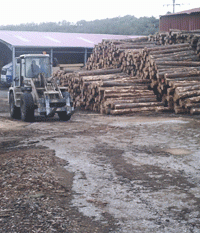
point(7, 74)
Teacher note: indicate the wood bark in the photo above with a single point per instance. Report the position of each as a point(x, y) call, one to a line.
point(136, 105)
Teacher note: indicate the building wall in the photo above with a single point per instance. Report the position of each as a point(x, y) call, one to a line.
point(180, 21)
point(194, 22)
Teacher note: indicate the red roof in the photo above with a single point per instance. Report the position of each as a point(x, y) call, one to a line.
point(188, 12)
point(194, 10)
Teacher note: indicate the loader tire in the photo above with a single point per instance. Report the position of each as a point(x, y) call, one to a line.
point(14, 111)
point(63, 116)
point(27, 107)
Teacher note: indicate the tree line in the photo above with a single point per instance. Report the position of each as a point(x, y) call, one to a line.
point(127, 25)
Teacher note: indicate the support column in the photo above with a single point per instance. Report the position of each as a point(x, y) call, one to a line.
point(13, 61)
point(51, 61)
point(85, 56)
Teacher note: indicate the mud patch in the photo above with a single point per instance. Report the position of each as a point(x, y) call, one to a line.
point(7, 144)
point(151, 180)
point(149, 176)
point(7, 125)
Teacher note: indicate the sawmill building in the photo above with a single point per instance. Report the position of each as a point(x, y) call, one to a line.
point(185, 20)
point(67, 48)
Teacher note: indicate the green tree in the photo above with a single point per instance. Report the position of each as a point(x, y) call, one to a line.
point(127, 25)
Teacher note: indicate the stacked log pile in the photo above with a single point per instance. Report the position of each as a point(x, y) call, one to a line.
point(175, 36)
point(156, 62)
point(63, 76)
point(171, 70)
point(164, 65)
point(110, 91)
point(187, 97)
point(121, 97)
point(180, 85)
point(122, 54)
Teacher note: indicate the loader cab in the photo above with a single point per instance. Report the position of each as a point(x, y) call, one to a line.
point(29, 66)
point(36, 65)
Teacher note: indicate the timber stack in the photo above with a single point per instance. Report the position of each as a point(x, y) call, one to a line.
point(175, 36)
point(119, 70)
point(110, 91)
point(170, 68)
point(122, 54)
point(156, 63)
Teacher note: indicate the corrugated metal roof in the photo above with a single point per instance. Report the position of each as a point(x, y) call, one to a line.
point(54, 39)
point(191, 11)
point(194, 10)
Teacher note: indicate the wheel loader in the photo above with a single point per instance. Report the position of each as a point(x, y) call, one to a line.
point(35, 92)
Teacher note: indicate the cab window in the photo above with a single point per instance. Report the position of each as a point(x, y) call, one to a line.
point(36, 65)
point(3, 72)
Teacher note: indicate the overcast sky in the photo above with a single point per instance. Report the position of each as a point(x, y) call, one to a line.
point(37, 11)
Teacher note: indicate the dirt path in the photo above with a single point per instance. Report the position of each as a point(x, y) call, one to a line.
point(110, 174)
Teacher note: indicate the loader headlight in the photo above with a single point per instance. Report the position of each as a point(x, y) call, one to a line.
point(58, 81)
point(28, 89)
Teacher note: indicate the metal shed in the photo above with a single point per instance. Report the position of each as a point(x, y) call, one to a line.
point(68, 48)
point(185, 20)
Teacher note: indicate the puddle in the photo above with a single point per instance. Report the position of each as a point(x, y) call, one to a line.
point(178, 151)
point(147, 122)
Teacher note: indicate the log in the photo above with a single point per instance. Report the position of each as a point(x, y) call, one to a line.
point(119, 100)
point(188, 88)
point(195, 99)
point(168, 47)
point(169, 50)
point(179, 110)
point(113, 102)
point(136, 105)
point(173, 55)
point(98, 72)
point(192, 57)
point(122, 89)
point(194, 111)
point(179, 63)
point(131, 110)
point(120, 83)
point(122, 95)
point(187, 94)
point(186, 83)
point(192, 105)
point(162, 109)
point(193, 78)
point(106, 77)
point(144, 90)
point(183, 74)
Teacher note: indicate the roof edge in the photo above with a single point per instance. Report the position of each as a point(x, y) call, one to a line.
point(186, 12)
